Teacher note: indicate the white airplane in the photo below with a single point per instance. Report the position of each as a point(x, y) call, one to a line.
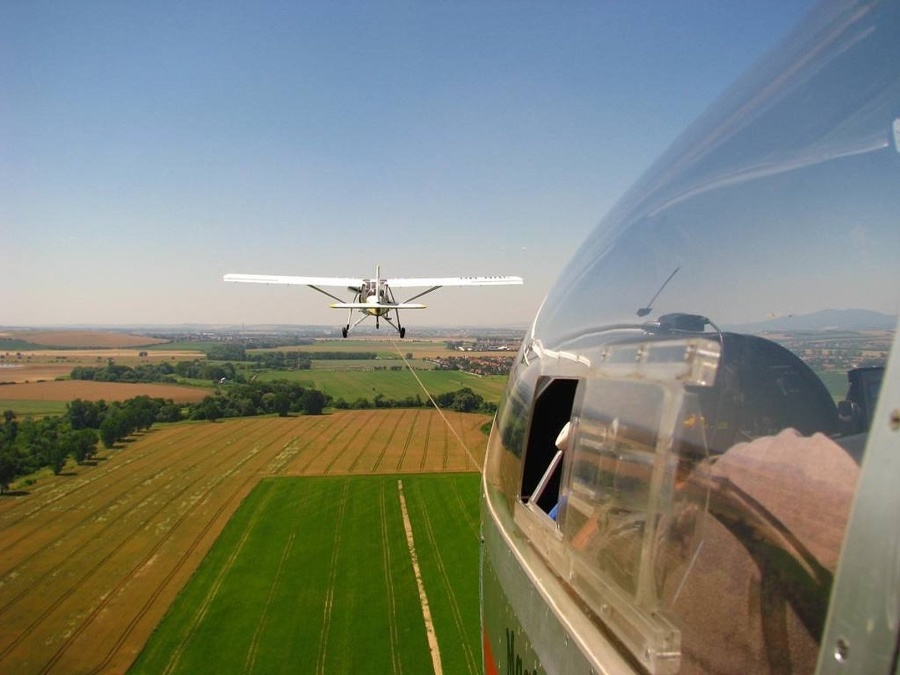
point(374, 297)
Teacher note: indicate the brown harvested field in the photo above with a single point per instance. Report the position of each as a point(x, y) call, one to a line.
point(90, 561)
point(49, 364)
point(84, 338)
point(69, 390)
point(33, 373)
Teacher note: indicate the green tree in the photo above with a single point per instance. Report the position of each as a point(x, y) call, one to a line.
point(464, 401)
point(110, 429)
point(313, 402)
point(268, 401)
point(84, 414)
point(56, 458)
point(208, 409)
point(169, 412)
point(281, 404)
point(81, 444)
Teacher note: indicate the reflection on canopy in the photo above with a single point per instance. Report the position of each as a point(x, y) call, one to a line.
point(697, 501)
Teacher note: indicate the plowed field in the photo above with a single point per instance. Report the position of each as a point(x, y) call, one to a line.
point(89, 562)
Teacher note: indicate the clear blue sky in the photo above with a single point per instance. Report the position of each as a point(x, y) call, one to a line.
point(148, 148)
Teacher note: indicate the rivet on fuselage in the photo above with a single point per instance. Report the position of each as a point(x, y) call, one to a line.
point(895, 420)
point(841, 650)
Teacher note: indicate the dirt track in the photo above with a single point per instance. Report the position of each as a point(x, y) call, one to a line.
point(89, 562)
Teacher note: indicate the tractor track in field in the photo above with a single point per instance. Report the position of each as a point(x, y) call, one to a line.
point(294, 448)
point(329, 593)
point(471, 661)
point(10, 519)
point(462, 509)
point(356, 460)
point(303, 448)
point(181, 561)
point(92, 570)
point(372, 421)
point(409, 437)
point(388, 442)
point(304, 469)
point(426, 443)
point(135, 533)
point(35, 584)
point(106, 506)
point(103, 566)
point(175, 569)
point(263, 618)
point(352, 437)
point(445, 459)
point(433, 645)
point(217, 584)
point(397, 666)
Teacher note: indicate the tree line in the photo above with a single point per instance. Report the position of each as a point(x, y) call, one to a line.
point(249, 399)
point(463, 400)
point(156, 372)
point(212, 370)
point(282, 360)
point(29, 445)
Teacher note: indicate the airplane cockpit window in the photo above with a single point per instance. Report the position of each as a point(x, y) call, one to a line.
point(689, 417)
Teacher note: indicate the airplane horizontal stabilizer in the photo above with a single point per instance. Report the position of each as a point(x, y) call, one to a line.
point(373, 305)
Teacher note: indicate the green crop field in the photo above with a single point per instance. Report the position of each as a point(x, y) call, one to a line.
point(369, 364)
point(35, 408)
point(392, 384)
point(835, 381)
point(383, 348)
point(92, 559)
point(315, 575)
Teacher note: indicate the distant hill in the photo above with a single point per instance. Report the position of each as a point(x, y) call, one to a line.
point(826, 319)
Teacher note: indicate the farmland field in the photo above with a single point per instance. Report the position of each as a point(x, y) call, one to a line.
point(67, 390)
point(393, 384)
point(336, 548)
point(91, 560)
point(24, 408)
point(50, 364)
point(82, 338)
point(366, 364)
point(384, 348)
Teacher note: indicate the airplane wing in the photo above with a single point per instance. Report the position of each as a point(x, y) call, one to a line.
point(379, 305)
point(421, 282)
point(346, 282)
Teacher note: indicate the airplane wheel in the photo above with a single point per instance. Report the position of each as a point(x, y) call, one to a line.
point(402, 333)
point(344, 332)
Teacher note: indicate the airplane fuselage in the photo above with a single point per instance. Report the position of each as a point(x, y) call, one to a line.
point(378, 308)
point(375, 292)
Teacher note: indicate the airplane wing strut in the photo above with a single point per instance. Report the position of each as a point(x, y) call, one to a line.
point(330, 295)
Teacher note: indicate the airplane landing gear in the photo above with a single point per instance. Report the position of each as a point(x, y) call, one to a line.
point(344, 330)
point(402, 333)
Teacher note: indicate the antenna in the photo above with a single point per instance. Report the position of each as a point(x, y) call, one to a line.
point(644, 311)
